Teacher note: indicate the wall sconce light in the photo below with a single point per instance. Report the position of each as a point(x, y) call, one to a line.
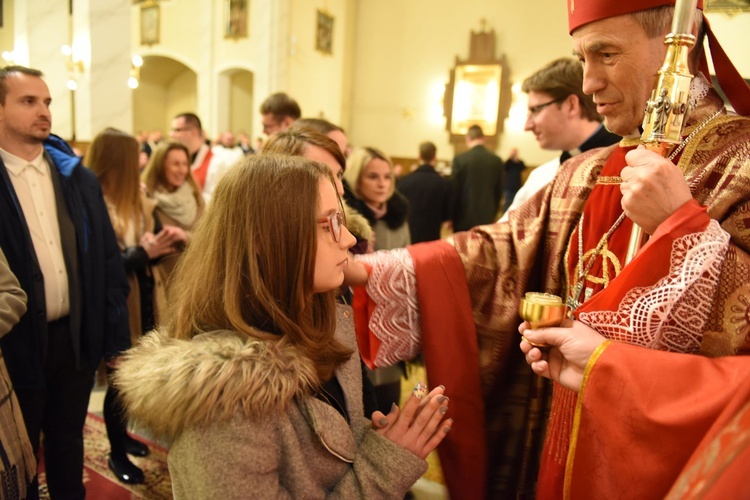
point(9, 57)
point(135, 71)
point(74, 65)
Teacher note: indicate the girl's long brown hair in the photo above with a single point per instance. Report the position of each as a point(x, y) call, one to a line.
point(113, 157)
point(250, 265)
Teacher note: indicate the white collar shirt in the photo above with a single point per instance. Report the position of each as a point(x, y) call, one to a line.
point(32, 182)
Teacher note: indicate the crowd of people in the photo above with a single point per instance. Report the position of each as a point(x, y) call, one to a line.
point(254, 305)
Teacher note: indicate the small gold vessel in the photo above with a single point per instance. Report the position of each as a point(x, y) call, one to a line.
point(541, 310)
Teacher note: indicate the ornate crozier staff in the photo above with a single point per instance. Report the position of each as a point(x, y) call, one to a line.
point(668, 107)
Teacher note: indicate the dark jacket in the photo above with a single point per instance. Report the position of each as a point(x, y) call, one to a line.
point(430, 202)
point(99, 318)
point(478, 182)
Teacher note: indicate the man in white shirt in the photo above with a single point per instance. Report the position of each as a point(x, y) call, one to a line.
point(561, 117)
point(207, 167)
point(59, 243)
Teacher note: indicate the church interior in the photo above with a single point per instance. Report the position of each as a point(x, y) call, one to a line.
point(382, 70)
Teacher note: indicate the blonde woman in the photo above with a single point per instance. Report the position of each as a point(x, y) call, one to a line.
point(256, 387)
point(369, 173)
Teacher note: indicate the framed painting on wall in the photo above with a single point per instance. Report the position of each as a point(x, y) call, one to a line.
point(476, 98)
point(150, 20)
point(324, 33)
point(235, 18)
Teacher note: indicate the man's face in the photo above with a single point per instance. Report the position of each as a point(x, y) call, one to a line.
point(273, 124)
point(548, 120)
point(25, 117)
point(620, 65)
point(227, 140)
point(186, 133)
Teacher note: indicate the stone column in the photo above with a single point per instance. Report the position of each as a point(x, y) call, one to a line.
point(101, 35)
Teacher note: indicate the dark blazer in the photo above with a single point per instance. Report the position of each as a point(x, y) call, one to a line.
point(430, 202)
point(478, 182)
point(102, 325)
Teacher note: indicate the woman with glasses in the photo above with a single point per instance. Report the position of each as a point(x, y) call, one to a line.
point(257, 391)
point(302, 140)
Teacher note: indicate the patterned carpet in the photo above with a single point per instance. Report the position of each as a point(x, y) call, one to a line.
point(101, 483)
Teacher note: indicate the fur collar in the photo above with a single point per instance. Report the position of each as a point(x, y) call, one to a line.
point(169, 385)
point(356, 223)
point(397, 209)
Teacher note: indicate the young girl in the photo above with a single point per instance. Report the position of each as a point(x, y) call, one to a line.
point(113, 157)
point(254, 386)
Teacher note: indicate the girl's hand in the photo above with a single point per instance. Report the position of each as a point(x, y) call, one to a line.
point(420, 426)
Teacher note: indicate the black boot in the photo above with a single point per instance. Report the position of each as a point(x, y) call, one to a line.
point(135, 447)
point(125, 470)
point(114, 419)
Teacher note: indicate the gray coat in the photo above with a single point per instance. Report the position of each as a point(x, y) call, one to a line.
point(243, 423)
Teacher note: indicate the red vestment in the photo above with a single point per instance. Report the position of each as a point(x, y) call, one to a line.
point(649, 423)
point(686, 291)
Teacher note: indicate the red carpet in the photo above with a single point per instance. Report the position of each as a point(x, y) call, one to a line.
point(101, 484)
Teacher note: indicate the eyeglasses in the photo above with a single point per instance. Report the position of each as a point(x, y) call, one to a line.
point(535, 110)
point(335, 223)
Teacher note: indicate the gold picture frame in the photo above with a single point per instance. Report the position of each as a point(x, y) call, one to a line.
point(150, 24)
point(324, 32)
point(476, 98)
point(235, 18)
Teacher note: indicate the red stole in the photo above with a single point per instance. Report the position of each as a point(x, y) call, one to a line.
point(201, 172)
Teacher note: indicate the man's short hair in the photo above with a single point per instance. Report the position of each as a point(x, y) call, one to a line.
point(559, 79)
point(427, 151)
point(319, 125)
point(14, 69)
point(475, 132)
point(191, 119)
point(658, 20)
point(280, 106)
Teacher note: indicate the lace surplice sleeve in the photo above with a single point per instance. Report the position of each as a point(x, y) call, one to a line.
point(395, 319)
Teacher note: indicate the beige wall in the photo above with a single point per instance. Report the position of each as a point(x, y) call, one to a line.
point(182, 96)
point(316, 79)
point(404, 51)
point(6, 32)
point(149, 107)
point(733, 35)
point(241, 113)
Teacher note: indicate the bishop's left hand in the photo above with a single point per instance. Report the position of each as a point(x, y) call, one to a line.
point(653, 188)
